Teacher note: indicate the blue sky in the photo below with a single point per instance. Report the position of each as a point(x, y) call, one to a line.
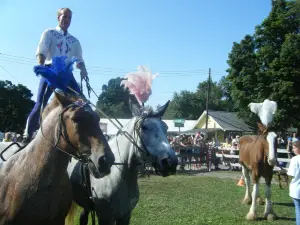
point(178, 39)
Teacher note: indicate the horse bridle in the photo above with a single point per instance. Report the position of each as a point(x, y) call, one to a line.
point(137, 135)
point(264, 135)
point(62, 133)
point(133, 139)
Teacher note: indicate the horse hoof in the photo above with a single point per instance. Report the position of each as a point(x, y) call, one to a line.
point(251, 216)
point(270, 216)
point(247, 201)
point(259, 201)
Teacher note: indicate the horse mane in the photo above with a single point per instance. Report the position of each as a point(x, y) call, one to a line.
point(53, 104)
point(262, 129)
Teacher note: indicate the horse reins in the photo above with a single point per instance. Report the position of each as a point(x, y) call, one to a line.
point(136, 136)
point(62, 133)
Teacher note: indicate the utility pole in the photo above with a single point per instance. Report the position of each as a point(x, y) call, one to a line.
point(207, 99)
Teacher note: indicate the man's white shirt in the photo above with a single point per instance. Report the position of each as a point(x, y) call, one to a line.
point(55, 43)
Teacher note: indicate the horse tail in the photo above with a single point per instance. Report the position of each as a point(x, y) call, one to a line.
point(71, 214)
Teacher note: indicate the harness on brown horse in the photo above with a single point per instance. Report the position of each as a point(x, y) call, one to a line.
point(12, 144)
point(83, 158)
point(263, 134)
point(86, 182)
point(60, 133)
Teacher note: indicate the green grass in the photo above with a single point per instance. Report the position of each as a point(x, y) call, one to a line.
point(202, 200)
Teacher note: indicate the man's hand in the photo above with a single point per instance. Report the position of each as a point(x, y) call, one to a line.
point(41, 59)
point(84, 75)
point(83, 72)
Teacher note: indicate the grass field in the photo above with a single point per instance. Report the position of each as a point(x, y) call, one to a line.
point(183, 200)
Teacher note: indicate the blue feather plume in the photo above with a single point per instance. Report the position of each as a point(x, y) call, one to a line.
point(58, 74)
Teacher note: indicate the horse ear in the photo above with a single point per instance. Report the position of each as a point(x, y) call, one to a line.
point(62, 100)
point(66, 100)
point(161, 110)
point(134, 106)
point(59, 98)
point(261, 127)
point(57, 101)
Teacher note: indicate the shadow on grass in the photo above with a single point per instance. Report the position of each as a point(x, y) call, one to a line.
point(277, 219)
point(286, 218)
point(191, 172)
point(202, 170)
point(288, 204)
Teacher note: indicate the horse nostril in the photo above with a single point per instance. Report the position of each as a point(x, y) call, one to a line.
point(102, 161)
point(107, 149)
point(165, 163)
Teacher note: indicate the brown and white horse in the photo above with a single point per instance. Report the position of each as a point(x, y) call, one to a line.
point(258, 158)
point(34, 184)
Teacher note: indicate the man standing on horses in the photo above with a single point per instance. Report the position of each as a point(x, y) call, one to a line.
point(54, 42)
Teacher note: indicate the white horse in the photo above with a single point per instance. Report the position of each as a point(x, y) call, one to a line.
point(116, 195)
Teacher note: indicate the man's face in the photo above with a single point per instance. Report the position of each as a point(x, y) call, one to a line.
point(64, 20)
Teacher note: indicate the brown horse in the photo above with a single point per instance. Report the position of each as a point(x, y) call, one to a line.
point(258, 158)
point(34, 184)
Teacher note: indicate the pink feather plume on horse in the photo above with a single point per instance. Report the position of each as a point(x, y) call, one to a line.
point(139, 83)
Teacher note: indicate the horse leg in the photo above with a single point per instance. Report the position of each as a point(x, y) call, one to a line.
point(268, 214)
point(259, 200)
point(105, 221)
point(56, 221)
point(125, 220)
point(252, 213)
point(84, 217)
point(247, 198)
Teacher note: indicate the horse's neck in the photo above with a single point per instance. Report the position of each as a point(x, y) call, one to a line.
point(122, 148)
point(124, 152)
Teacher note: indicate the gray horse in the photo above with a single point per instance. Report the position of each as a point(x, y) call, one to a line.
point(116, 195)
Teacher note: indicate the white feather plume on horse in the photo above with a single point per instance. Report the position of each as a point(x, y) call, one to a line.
point(139, 83)
point(265, 110)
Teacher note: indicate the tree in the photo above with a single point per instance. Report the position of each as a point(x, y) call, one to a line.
point(218, 96)
point(183, 105)
point(227, 102)
point(190, 105)
point(266, 65)
point(15, 105)
point(246, 84)
point(114, 100)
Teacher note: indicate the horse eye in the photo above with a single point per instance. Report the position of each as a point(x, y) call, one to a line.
point(144, 127)
point(75, 119)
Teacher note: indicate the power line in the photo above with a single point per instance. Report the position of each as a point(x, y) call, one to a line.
point(10, 74)
point(17, 59)
point(110, 73)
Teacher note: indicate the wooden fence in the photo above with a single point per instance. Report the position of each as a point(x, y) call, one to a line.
point(224, 154)
point(193, 157)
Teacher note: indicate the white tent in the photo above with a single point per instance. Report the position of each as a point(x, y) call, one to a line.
point(108, 128)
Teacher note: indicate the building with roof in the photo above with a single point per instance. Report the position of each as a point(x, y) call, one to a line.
point(222, 124)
